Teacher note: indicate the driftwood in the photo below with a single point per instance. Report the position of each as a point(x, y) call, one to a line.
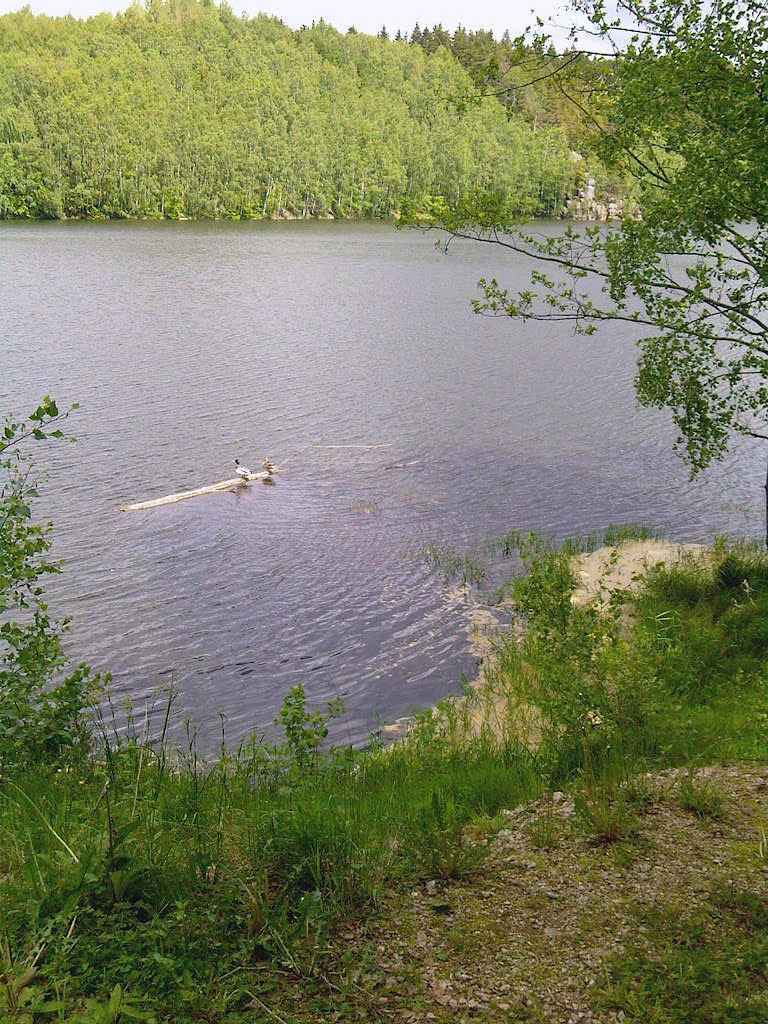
point(364, 447)
point(169, 499)
point(228, 485)
point(402, 465)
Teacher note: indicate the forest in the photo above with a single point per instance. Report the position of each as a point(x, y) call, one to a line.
point(181, 109)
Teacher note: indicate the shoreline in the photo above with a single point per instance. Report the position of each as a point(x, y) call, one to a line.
point(598, 573)
point(419, 221)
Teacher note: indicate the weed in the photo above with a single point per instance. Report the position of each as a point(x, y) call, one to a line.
point(602, 801)
point(606, 816)
point(705, 966)
point(15, 980)
point(639, 793)
point(546, 827)
point(194, 880)
point(702, 797)
point(467, 569)
point(441, 847)
point(305, 731)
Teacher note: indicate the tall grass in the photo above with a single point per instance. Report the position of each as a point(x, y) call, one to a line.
point(148, 868)
point(182, 884)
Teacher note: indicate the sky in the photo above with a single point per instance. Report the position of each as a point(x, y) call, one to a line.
point(366, 17)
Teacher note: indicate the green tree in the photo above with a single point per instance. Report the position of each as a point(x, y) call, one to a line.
point(42, 704)
point(681, 105)
point(178, 109)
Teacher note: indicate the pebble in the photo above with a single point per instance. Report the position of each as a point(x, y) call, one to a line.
point(518, 894)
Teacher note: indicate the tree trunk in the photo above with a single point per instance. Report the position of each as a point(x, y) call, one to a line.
point(766, 507)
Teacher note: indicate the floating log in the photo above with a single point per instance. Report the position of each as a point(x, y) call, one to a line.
point(402, 465)
point(365, 447)
point(169, 499)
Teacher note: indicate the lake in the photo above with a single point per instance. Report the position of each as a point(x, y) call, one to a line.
point(189, 344)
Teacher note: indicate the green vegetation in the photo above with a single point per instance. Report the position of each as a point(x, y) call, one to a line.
point(41, 706)
point(703, 799)
point(679, 680)
point(477, 566)
point(191, 885)
point(143, 881)
point(181, 109)
point(705, 967)
point(520, 74)
point(140, 880)
point(680, 109)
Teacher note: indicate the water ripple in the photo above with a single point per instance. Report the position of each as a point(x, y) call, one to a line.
point(189, 344)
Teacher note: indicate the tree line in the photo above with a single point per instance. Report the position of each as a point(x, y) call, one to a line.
point(180, 108)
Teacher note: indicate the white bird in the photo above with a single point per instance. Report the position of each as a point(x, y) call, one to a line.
point(242, 471)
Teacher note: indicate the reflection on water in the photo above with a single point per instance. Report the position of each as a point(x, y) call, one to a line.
point(188, 345)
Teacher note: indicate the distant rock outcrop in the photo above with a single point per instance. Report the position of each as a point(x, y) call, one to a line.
point(590, 202)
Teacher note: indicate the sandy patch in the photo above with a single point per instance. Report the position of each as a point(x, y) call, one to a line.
point(486, 710)
point(621, 568)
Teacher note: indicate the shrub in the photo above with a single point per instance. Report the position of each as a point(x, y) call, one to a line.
point(43, 707)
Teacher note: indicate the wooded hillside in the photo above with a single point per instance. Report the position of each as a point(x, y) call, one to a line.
point(182, 108)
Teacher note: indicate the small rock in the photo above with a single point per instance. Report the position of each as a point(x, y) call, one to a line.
point(515, 813)
point(440, 906)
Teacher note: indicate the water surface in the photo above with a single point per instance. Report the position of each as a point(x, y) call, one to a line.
point(189, 344)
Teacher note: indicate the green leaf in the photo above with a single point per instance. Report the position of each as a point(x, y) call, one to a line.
point(133, 1014)
point(125, 830)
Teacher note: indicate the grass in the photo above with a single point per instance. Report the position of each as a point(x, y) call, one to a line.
point(509, 544)
point(544, 830)
point(701, 797)
point(706, 966)
point(465, 568)
point(143, 883)
point(145, 870)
